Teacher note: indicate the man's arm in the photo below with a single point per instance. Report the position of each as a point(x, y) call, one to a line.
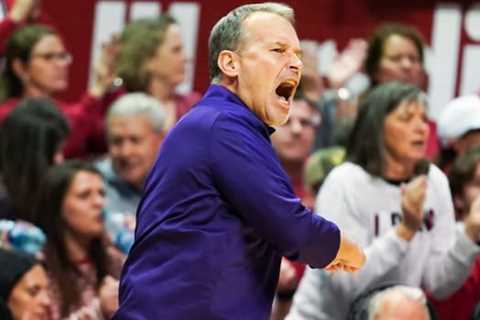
point(250, 177)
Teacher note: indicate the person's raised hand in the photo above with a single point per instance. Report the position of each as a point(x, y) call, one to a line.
point(23, 10)
point(347, 63)
point(104, 68)
point(413, 196)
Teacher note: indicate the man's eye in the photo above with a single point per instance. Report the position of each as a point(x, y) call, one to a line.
point(279, 50)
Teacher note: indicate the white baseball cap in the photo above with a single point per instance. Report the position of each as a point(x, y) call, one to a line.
point(459, 116)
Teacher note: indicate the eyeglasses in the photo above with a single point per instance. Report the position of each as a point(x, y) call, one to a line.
point(55, 56)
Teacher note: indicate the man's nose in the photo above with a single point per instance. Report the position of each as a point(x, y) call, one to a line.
point(296, 62)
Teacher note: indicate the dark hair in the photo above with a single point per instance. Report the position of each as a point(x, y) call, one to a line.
point(19, 46)
point(138, 43)
point(14, 266)
point(376, 45)
point(366, 146)
point(462, 171)
point(50, 219)
point(29, 137)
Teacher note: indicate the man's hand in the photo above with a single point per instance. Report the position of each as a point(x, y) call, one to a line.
point(413, 198)
point(350, 257)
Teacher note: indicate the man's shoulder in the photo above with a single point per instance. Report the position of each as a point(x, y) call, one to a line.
point(212, 112)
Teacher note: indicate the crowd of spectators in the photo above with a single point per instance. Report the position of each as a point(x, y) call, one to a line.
point(407, 189)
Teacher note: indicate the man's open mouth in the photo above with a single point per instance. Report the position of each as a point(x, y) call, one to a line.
point(286, 89)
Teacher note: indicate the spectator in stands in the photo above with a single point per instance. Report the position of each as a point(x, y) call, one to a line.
point(136, 125)
point(37, 65)
point(459, 128)
point(395, 52)
point(464, 177)
point(293, 143)
point(399, 302)
point(80, 265)
point(151, 59)
point(31, 140)
point(23, 288)
point(397, 207)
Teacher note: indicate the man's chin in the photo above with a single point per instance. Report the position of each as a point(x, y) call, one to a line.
point(277, 121)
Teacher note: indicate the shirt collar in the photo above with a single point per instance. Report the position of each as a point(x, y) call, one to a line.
point(219, 91)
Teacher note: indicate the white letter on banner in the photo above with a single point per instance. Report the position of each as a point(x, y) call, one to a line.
point(470, 82)
point(444, 56)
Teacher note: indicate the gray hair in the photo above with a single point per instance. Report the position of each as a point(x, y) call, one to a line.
point(137, 103)
point(393, 294)
point(227, 32)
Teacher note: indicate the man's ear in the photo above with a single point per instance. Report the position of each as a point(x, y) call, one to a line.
point(228, 63)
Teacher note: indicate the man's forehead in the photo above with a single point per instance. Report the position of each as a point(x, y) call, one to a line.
point(258, 26)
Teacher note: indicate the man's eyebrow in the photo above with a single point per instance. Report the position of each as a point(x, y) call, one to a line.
point(298, 51)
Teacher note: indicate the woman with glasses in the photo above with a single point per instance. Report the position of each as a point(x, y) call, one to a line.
point(37, 65)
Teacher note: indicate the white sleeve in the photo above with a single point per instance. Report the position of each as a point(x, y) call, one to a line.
point(448, 265)
point(335, 202)
point(310, 296)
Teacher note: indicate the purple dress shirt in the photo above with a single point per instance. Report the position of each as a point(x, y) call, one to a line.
point(217, 214)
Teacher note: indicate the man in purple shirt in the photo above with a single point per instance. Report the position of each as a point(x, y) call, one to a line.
point(218, 211)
